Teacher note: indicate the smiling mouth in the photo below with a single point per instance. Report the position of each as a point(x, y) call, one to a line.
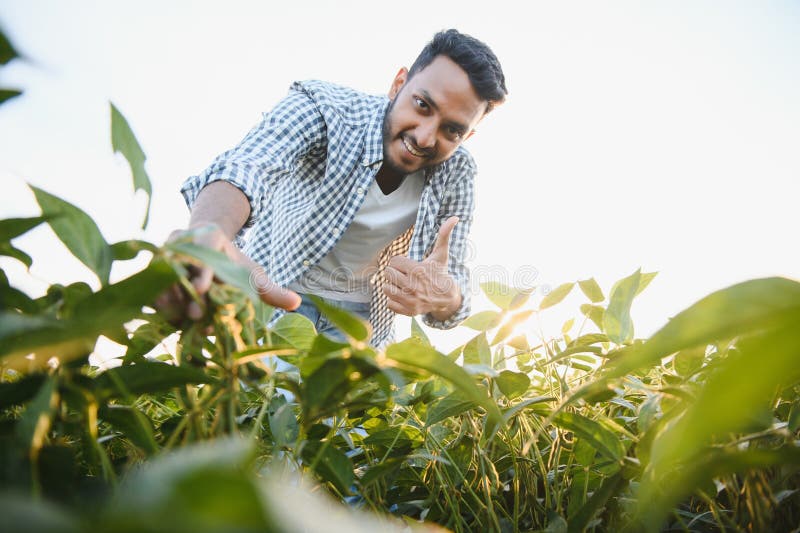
point(413, 150)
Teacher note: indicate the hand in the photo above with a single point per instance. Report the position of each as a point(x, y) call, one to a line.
point(419, 287)
point(176, 305)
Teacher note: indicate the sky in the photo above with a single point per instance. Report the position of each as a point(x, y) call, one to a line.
point(652, 135)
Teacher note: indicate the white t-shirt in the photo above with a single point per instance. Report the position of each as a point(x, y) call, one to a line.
point(344, 273)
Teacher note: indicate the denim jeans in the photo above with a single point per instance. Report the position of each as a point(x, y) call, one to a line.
point(320, 321)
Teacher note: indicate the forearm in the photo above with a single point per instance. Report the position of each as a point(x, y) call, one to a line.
point(222, 204)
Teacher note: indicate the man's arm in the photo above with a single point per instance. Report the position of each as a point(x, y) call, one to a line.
point(222, 209)
point(230, 195)
point(223, 205)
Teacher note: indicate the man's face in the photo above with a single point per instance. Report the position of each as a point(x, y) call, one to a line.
point(429, 116)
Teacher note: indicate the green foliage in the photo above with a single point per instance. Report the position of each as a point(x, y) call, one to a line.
point(215, 425)
point(78, 232)
point(124, 142)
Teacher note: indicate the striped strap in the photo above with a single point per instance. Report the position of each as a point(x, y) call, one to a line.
point(381, 317)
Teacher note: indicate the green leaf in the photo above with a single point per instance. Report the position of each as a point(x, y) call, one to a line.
point(202, 487)
point(8, 94)
point(484, 320)
point(794, 417)
point(743, 308)
point(146, 338)
point(610, 487)
point(592, 290)
point(617, 322)
point(11, 298)
point(519, 342)
point(509, 327)
point(744, 379)
point(689, 361)
point(402, 438)
point(7, 51)
point(350, 324)
point(132, 423)
point(644, 281)
point(20, 391)
point(594, 313)
point(296, 329)
point(418, 332)
point(381, 470)
point(330, 464)
point(124, 141)
point(555, 523)
point(10, 251)
point(414, 354)
point(477, 352)
point(451, 405)
point(556, 295)
point(35, 420)
point(503, 296)
point(147, 377)
point(225, 269)
point(283, 426)
point(11, 228)
point(658, 495)
point(127, 250)
point(589, 339)
point(78, 232)
point(512, 384)
point(21, 514)
point(601, 437)
point(511, 412)
point(326, 385)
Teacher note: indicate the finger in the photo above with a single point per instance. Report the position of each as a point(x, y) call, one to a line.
point(401, 295)
point(175, 235)
point(395, 276)
point(202, 280)
point(399, 308)
point(270, 292)
point(402, 264)
point(194, 310)
point(171, 305)
point(441, 250)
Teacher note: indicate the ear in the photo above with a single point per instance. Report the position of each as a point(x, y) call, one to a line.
point(470, 134)
point(399, 80)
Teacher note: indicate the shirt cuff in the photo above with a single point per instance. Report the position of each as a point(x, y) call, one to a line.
point(459, 316)
point(230, 173)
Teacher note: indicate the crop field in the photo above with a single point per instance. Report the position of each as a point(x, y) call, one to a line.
point(249, 427)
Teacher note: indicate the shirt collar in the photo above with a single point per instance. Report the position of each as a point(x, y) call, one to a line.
point(373, 137)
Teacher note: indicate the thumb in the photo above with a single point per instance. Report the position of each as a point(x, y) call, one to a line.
point(441, 249)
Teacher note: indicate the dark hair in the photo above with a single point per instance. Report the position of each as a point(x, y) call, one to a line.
point(477, 60)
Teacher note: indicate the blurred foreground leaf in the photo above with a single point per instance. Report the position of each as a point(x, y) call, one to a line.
point(78, 232)
point(124, 141)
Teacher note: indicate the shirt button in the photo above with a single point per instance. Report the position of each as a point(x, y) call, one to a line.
point(306, 262)
point(335, 231)
point(360, 190)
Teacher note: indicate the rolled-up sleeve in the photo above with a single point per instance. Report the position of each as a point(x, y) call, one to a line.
point(270, 150)
point(459, 201)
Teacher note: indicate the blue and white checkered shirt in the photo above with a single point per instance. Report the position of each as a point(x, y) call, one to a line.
point(306, 168)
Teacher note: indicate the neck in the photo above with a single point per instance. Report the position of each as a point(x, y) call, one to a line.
point(388, 179)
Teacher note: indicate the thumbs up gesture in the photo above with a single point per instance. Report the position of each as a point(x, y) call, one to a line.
point(419, 287)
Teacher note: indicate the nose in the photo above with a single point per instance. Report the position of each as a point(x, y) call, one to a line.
point(426, 135)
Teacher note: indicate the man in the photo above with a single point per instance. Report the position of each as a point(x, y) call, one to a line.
point(365, 201)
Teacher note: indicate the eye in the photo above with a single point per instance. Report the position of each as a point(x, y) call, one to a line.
point(454, 133)
point(421, 104)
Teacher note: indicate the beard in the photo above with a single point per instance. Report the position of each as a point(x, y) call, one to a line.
point(390, 166)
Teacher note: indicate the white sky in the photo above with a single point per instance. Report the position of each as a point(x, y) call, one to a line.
point(637, 134)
